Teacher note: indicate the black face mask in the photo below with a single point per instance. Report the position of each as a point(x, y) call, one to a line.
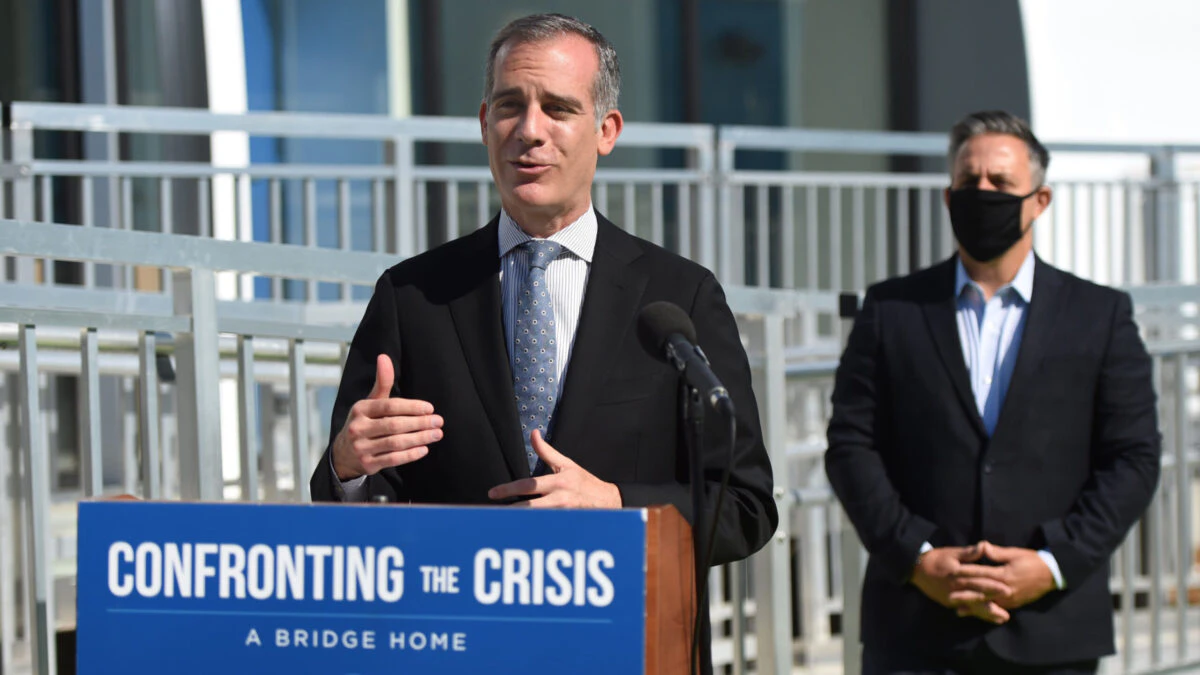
point(986, 222)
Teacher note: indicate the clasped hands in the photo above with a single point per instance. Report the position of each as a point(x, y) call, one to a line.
point(953, 577)
point(382, 432)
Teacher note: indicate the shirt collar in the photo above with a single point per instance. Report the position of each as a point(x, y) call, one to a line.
point(579, 237)
point(1022, 283)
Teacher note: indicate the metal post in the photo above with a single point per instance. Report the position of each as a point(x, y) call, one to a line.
point(403, 196)
point(198, 362)
point(1183, 491)
point(852, 562)
point(92, 475)
point(8, 543)
point(1157, 556)
point(1167, 250)
point(301, 445)
point(148, 416)
point(248, 425)
point(773, 617)
point(705, 163)
point(723, 266)
point(853, 555)
point(21, 137)
point(269, 476)
point(812, 571)
point(1128, 561)
point(737, 603)
point(40, 581)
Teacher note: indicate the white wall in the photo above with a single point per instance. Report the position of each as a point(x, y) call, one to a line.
point(1116, 71)
point(1121, 72)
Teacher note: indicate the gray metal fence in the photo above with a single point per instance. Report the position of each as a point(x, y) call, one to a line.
point(166, 343)
point(1129, 217)
point(283, 354)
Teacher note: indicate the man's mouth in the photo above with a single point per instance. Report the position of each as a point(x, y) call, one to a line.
point(529, 168)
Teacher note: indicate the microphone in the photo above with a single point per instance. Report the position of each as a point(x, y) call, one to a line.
point(667, 333)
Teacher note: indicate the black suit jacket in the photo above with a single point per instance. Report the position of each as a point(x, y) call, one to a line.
point(438, 316)
point(1073, 461)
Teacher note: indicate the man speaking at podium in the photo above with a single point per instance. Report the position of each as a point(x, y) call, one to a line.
point(505, 366)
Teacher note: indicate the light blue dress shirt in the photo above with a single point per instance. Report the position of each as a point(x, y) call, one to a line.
point(989, 331)
point(990, 334)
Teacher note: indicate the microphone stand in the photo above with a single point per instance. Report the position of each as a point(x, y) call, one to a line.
point(693, 417)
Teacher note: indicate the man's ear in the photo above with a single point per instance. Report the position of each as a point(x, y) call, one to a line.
point(610, 129)
point(483, 121)
point(1042, 199)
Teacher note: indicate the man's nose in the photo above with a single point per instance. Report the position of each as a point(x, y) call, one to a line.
point(531, 128)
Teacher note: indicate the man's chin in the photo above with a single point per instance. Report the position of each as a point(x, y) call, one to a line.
point(531, 196)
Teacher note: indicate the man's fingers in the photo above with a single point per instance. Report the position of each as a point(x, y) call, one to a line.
point(386, 460)
point(1001, 554)
point(553, 458)
point(984, 571)
point(393, 407)
point(996, 613)
point(960, 598)
point(968, 553)
point(550, 501)
point(383, 427)
point(398, 442)
point(985, 611)
point(990, 587)
point(521, 487)
point(384, 377)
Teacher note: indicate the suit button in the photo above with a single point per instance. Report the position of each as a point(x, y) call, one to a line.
point(987, 467)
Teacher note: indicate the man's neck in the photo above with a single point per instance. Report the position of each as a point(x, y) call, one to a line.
point(996, 274)
point(541, 225)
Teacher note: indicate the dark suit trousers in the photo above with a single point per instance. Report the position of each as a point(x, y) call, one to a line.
point(976, 660)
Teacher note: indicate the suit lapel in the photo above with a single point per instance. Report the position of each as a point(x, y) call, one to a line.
point(940, 310)
point(1049, 296)
point(612, 299)
point(478, 320)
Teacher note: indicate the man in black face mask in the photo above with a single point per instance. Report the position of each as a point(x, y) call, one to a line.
point(993, 437)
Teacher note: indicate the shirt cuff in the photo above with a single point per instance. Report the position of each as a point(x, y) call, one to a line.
point(926, 547)
point(353, 490)
point(1048, 558)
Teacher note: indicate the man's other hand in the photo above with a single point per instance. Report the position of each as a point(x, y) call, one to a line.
point(939, 572)
point(1021, 572)
point(568, 484)
point(381, 432)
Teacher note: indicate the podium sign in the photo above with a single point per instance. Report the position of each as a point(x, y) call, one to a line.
point(254, 588)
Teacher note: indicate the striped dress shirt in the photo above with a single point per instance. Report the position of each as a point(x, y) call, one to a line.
point(566, 280)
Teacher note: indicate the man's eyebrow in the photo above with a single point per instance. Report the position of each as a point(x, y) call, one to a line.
point(569, 101)
point(503, 93)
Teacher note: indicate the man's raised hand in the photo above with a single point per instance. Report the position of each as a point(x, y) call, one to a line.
point(382, 432)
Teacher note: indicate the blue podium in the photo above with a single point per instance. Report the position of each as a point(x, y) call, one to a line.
point(272, 588)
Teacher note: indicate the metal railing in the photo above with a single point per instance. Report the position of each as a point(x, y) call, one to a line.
point(848, 229)
point(1133, 222)
point(285, 352)
point(382, 206)
point(155, 328)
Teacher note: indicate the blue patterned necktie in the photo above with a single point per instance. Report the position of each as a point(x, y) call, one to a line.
point(535, 358)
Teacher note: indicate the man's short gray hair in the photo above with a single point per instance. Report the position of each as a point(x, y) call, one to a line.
point(542, 27)
point(1000, 122)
